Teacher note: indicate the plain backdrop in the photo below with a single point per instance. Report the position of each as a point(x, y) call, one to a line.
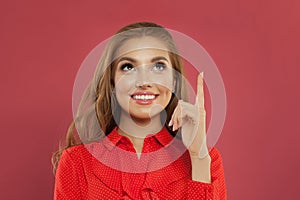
point(254, 43)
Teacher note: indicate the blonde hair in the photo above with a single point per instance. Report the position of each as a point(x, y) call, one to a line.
point(98, 106)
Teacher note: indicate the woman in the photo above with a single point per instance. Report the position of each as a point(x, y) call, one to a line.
point(139, 138)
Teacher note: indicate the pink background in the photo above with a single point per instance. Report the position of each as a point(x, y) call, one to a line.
point(255, 44)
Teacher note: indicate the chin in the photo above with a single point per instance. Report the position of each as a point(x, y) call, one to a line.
point(143, 115)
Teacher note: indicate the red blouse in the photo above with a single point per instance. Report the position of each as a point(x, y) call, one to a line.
point(110, 169)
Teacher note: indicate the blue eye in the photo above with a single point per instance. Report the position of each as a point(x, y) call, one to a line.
point(159, 66)
point(127, 67)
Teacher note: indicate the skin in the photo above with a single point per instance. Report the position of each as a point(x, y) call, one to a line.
point(144, 67)
point(192, 119)
point(139, 69)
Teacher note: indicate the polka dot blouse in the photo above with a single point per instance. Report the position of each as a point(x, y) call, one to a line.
point(110, 169)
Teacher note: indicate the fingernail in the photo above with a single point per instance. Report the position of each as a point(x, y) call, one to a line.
point(170, 124)
point(202, 74)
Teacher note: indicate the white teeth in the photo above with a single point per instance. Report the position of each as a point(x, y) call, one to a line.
point(144, 97)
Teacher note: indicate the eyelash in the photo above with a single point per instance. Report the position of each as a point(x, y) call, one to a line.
point(161, 65)
point(125, 66)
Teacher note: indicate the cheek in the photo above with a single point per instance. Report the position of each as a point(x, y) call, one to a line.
point(123, 84)
point(166, 95)
point(123, 87)
point(165, 81)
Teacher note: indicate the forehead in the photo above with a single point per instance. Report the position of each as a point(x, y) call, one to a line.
point(142, 45)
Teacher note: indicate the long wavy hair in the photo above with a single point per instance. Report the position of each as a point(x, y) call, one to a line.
point(98, 111)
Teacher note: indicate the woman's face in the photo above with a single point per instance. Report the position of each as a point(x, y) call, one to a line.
point(143, 77)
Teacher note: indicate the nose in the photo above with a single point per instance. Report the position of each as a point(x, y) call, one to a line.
point(143, 78)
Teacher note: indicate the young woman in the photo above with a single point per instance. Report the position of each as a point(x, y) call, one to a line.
point(139, 137)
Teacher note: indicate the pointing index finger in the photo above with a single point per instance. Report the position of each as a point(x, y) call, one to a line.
point(200, 92)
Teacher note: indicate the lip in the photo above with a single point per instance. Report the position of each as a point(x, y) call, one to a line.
point(144, 101)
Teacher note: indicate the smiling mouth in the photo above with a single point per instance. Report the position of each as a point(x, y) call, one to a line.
point(144, 97)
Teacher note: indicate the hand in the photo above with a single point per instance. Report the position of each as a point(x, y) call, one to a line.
point(192, 120)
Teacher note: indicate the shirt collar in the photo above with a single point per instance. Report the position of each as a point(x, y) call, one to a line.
point(163, 137)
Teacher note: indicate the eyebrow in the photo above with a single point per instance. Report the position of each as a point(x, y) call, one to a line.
point(128, 59)
point(157, 58)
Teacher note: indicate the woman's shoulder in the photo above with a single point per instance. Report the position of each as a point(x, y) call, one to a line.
point(75, 149)
point(84, 150)
point(76, 157)
point(215, 155)
point(77, 152)
point(217, 168)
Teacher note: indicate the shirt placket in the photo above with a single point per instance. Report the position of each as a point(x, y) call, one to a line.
point(132, 182)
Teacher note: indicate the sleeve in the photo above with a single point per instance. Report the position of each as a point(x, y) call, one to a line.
point(66, 180)
point(215, 190)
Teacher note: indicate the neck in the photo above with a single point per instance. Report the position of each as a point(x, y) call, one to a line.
point(137, 129)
